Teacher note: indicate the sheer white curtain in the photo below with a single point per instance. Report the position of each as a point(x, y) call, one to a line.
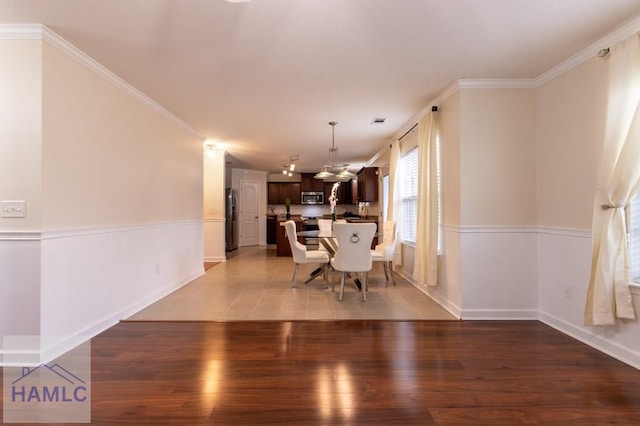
point(608, 295)
point(393, 206)
point(425, 269)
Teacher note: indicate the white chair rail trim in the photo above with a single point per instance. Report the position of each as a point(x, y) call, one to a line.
point(81, 232)
point(533, 229)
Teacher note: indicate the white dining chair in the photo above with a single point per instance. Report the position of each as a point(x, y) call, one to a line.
point(300, 253)
point(325, 227)
point(354, 252)
point(383, 252)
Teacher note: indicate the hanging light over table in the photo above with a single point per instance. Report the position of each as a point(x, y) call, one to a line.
point(333, 172)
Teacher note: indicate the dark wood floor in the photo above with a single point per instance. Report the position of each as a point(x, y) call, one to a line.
point(355, 372)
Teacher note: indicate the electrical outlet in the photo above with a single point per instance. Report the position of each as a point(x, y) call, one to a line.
point(568, 292)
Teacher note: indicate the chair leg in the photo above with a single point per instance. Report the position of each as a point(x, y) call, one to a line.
point(341, 285)
point(386, 271)
point(295, 276)
point(364, 286)
point(393, 279)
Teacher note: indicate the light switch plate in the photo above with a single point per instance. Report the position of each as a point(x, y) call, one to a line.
point(13, 208)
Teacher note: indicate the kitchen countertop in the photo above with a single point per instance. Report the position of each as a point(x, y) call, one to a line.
point(294, 217)
point(357, 219)
point(299, 218)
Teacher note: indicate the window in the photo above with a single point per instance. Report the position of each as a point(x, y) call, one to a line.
point(634, 240)
point(409, 195)
point(408, 169)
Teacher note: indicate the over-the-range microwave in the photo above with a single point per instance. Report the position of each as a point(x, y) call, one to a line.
point(312, 198)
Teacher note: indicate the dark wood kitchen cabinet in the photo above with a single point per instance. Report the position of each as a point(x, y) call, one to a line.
point(273, 193)
point(310, 184)
point(343, 193)
point(272, 230)
point(278, 192)
point(292, 192)
point(368, 184)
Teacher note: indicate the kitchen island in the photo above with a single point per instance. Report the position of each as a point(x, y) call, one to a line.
point(283, 248)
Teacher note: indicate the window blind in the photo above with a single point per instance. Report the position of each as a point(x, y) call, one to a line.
point(409, 195)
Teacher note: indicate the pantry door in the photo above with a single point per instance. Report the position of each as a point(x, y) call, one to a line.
point(249, 198)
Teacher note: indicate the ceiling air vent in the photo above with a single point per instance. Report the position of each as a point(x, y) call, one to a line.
point(378, 120)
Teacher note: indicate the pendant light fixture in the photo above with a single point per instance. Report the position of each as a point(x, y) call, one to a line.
point(333, 172)
point(288, 170)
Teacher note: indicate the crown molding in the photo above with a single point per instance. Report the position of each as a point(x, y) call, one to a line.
point(21, 32)
point(627, 30)
point(444, 96)
point(41, 32)
point(584, 55)
point(415, 118)
point(377, 155)
point(483, 83)
point(497, 83)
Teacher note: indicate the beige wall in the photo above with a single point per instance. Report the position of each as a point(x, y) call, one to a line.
point(109, 159)
point(497, 157)
point(84, 153)
point(450, 159)
point(21, 129)
point(214, 207)
point(571, 116)
point(214, 187)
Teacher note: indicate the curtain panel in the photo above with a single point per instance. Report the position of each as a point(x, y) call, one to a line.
point(608, 295)
point(425, 269)
point(393, 206)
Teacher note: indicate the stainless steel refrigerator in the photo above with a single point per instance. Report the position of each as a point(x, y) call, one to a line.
point(231, 222)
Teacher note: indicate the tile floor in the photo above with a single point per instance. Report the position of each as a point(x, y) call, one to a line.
point(254, 284)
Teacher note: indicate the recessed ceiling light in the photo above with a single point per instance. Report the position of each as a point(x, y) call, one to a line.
point(378, 120)
point(237, 1)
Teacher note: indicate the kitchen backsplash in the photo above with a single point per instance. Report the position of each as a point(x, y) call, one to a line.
point(318, 211)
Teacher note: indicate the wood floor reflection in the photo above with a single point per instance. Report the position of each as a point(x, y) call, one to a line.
point(218, 352)
point(355, 372)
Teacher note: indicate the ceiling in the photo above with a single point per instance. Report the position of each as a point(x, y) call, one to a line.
point(264, 78)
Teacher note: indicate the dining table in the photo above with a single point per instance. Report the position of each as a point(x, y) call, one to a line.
point(328, 241)
point(330, 244)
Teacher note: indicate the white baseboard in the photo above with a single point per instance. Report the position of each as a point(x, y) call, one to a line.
point(59, 346)
point(161, 258)
point(215, 259)
point(609, 347)
point(499, 314)
point(445, 303)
